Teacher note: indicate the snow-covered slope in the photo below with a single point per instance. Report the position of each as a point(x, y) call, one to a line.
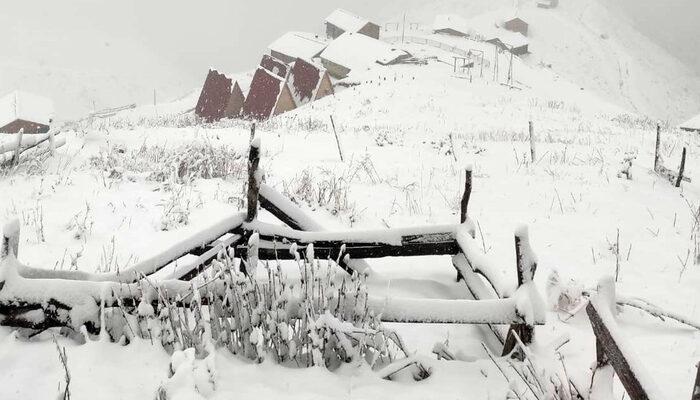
point(594, 45)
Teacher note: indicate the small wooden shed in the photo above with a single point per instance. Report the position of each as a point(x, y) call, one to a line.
point(516, 25)
point(293, 45)
point(355, 51)
point(450, 24)
point(269, 95)
point(25, 111)
point(222, 96)
point(341, 21)
point(513, 42)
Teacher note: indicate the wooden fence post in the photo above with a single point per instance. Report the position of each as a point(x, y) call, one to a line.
point(18, 149)
point(526, 266)
point(466, 195)
point(681, 169)
point(252, 133)
point(10, 239)
point(337, 140)
point(254, 179)
point(657, 148)
point(531, 129)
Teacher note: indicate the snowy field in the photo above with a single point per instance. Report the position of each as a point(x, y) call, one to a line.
point(116, 194)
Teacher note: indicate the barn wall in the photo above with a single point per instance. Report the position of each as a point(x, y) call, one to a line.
point(371, 30)
point(282, 57)
point(325, 88)
point(235, 103)
point(333, 31)
point(28, 126)
point(336, 70)
point(285, 102)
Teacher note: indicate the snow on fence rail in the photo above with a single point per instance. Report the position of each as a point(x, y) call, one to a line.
point(12, 148)
point(39, 299)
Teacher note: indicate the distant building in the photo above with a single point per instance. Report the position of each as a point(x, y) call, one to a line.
point(547, 3)
point(515, 43)
point(355, 51)
point(293, 45)
point(268, 96)
point(221, 97)
point(516, 25)
point(308, 82)
point(450, 24)
point(24, 111)
point(341, 21)
point(692, 125)
point(274, 65)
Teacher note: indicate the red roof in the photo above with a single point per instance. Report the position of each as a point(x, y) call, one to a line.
point(304, 78)
point(263, 94)
point(214, 96)
point(274, 65)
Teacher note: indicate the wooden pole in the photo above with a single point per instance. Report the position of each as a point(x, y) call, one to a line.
point(531, 129)
point(681, 169)
point(337, 140)
point(658, 145)
point(252, 133)
point(466, 195)
point(526, 268)
point(253, 179)
point(18, 149)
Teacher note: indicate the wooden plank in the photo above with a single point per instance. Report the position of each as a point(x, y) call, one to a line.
point(526, 272)
point(614, 355)
point(696, 387)
point(253, 179)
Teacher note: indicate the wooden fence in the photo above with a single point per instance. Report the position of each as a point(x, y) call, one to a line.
point(39, 299)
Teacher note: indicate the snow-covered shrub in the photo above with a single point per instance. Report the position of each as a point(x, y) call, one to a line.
point(181, 164)
point(328, 190)
point(177, 206)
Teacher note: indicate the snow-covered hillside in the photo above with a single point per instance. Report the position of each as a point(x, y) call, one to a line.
point(594, 45)
point(116, 195)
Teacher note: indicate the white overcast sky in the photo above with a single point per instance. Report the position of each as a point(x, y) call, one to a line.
point(168, 44)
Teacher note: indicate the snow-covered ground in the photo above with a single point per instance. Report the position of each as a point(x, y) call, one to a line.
point(407, 132)
point(114, 195)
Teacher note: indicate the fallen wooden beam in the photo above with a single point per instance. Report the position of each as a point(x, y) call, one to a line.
point(613, 349)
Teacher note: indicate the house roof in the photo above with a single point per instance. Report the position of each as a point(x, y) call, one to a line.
point(274, 65)
point(516, 19)
point(354, 50)
point(510, 39)
point(692, 124)
point(298, 44)
point(26, 106)
point(346, 20)
point(450, 21)
point(304, 80)
point(262, 97)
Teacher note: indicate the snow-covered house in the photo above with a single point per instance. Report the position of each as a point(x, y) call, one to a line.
point(450, 24)
point(692, 125)
point(513, 42)
point(516, 25)
point(341, 21)
point(293, 45)
point(547, 3)
point(269, 95)
point(274, 65)
point(308, 82)
point(355, 51)
point(221, 97)
point(24, 111)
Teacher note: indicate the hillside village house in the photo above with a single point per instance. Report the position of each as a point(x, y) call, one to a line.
point(516, 25)
point(513, 42)
point(293, 45)
point(24, 111)
point(355, 51)
point(269, 95)
point(308, 82)
point(341, 21)
point(221, 97)
point(450, 24)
